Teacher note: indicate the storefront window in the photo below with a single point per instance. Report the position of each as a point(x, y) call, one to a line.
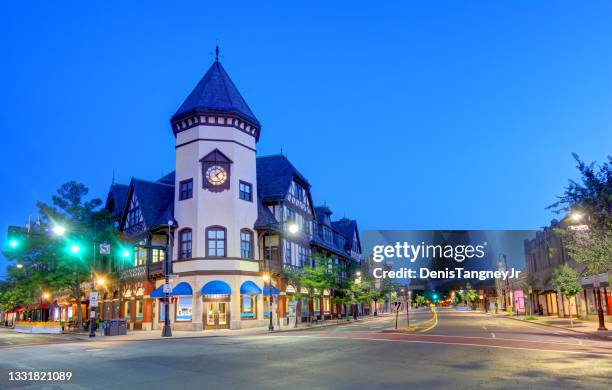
point(138, 310)
point(326, 305)
point(184, 308)
point(266, 303)
point(316, 306)
point(248, 306)
point(304, 307)
point(127, 311)
point(69, 312)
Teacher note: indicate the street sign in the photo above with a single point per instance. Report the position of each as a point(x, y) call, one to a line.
point(596, 281)
point(397, 305)
point(93, 299)
point(167, 289)
point(105, 249)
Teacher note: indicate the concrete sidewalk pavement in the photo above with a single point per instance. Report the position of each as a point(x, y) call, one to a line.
point(580, 326)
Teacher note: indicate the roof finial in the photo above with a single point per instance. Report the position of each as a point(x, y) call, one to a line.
point(217, 52)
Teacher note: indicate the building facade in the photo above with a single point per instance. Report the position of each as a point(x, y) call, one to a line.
point(543, 254)
point(230, 218)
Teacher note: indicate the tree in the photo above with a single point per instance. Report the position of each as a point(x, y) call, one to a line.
point(565, 281)
point(48, 262)
point(591, 198)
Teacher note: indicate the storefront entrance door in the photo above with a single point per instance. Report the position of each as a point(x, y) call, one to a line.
point(216, 315)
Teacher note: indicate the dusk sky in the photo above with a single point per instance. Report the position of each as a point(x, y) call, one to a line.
point(453, 115)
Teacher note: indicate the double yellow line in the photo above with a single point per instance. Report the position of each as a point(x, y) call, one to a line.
point(435, 323)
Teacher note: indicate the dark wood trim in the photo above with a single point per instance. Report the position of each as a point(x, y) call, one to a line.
point(180, 189)
point(214, 258)
point(246, 273)
point(214, 140)
point(180, 242)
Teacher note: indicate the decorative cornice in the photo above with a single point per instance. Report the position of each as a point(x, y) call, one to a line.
point(209, 119)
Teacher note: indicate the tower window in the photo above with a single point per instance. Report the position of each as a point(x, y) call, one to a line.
point(246, 191)
point(246, 244)
point(185, 244)
point(186, 189)
point(215, 241)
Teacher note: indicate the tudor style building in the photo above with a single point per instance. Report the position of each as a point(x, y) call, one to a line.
point(227, 214)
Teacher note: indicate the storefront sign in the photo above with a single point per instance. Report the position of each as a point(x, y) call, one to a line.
point(93, 299)
point(167, 289)
point(139, 273)
point(105, 249)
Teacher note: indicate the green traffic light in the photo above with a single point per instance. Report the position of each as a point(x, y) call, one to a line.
point(75, 248)
point(125, 253)
point(13, 244)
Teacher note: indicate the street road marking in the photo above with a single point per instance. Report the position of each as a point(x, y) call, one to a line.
point(464, 344)
point(94, 350)
point(492, 334)
point(9, 342)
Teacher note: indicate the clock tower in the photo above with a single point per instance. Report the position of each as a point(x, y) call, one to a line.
point(215, 203)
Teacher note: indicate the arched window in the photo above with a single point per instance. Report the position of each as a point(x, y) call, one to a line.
point(216, 239)
point(246, 244)
point(184, 251)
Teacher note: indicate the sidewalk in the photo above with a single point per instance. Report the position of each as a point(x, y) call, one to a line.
point(579, 326)
point(142, 335)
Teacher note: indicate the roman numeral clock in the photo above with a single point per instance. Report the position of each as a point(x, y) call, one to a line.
point(216, 171)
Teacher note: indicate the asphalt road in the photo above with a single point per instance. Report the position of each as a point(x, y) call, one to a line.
point(454, 350)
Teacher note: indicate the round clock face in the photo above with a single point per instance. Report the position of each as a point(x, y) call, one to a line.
point(216, 175)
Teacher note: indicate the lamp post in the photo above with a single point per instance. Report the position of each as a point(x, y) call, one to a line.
point(167, 330)
point(268, 281)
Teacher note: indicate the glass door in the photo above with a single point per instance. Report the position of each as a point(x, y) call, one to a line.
point(216, 315)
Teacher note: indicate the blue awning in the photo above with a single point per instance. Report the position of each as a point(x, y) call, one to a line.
point(159, 292)
point(266, 290)
point(182, 288)
point(216, 287)
point(249, 287)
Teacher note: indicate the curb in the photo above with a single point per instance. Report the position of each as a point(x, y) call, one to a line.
point(595, 335)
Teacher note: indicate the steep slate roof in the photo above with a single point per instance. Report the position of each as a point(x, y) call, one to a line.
point(168, 179)
point(274, 175)
point(265, 218)
point(322, 212)
point(156, 201)
point(347, 228)
point(118, 193)
point(216, 94)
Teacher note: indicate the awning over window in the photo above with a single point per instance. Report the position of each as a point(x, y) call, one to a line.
point(216, 287)
point(159, 292)
point(266, 290)
point(249, 287)
point(182, 288)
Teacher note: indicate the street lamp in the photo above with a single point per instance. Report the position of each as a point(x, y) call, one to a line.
point(293, 228)
point(58, 230)
point(167, 331)
point(75, 249)
point(45, 295)
point(19, 265)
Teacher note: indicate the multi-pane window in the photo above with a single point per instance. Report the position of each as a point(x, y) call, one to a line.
point(287, 252)
point(245, 191)
point(290, 215)
point(246, 244)
point(215, 242)
point(185, 244)
point(158, 255)
point(303, 256)
point(186, 189)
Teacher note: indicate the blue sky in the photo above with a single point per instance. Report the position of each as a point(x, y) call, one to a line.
point(440, 115)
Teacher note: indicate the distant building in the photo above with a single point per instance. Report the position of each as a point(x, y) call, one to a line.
point(543, 254)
